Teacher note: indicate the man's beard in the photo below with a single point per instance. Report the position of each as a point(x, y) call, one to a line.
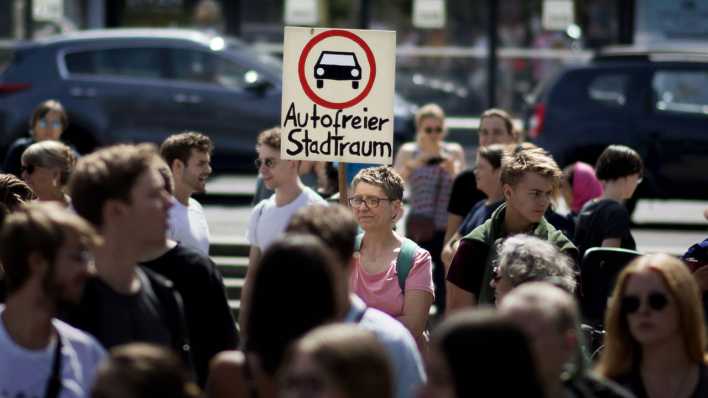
point(56, 292)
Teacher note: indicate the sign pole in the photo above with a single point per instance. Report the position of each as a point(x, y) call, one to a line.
point(343, 195)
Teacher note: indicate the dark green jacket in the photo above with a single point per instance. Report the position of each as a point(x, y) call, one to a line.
point(488, 237)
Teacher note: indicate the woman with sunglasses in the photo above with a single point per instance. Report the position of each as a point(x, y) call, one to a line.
point(48, 122)
point(605, 221)
point(429, 166)
point(375, 200)
point(656, 336)
point(46, 168)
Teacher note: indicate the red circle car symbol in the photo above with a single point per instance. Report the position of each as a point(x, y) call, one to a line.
point(306, 87)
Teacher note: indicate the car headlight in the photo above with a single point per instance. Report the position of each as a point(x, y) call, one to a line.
point(320, 71)
point(355, 72)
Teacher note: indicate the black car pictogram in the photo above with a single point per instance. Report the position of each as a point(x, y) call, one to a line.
point(335, 65)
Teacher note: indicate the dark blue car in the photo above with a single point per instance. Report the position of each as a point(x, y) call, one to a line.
point(141, 85)
point(655, 102)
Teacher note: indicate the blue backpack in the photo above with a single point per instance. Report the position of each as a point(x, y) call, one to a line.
point(404, 262)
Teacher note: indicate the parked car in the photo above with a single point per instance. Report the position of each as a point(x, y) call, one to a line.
point(140, 85)
point(655, 102)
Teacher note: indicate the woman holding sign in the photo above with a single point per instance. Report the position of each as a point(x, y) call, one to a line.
point(429, 165)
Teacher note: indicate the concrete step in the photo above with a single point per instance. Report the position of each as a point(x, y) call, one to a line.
point(233, 288)
point(235, 307)
point(231, 267)
point(229, 248)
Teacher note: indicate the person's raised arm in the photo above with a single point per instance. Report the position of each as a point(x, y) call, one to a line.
point(403, 163)
point(456, 161)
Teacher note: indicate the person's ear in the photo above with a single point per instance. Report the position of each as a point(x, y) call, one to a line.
point(397, 211)
point(508, 191)
point(112, 209)
point(177, 167)
point(37, 264)
point(56, 176)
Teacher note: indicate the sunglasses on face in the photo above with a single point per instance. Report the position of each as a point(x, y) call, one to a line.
point(44, 124)
point(656, 301)
point(268, 162)
point(29, 169)
point(431, 130)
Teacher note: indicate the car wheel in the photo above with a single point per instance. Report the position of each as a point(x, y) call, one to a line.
point(320, 83)
point(355, 84)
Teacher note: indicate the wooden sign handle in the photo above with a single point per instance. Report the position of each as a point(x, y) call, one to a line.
point(343, 194)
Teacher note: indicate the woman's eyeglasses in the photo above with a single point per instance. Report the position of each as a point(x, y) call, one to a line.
point(656, 301)
point(29, 169)
point(268, 162)
point(371, 201)
point(431, 130)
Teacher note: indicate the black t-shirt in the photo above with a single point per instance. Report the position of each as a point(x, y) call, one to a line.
point(479, 213)
point(592, 386)
point(464, 194)
point(211, 325)
point(13, 159)
point(126, 318)
point(633, 382)
point(603, 219)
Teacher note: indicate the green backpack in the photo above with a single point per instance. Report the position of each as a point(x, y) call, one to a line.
point(404, 262)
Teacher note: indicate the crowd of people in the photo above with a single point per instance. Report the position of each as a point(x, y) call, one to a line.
point(109, 291)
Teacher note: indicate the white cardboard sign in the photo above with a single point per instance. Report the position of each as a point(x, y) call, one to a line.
point(338, 92)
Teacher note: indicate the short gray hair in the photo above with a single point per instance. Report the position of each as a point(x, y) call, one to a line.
point(525, 258)
point(52, 154)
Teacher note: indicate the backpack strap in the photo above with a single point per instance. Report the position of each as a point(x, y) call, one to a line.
point(357, 242)
point(404, 262)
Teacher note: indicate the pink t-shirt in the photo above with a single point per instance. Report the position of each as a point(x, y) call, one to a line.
point(381, 290)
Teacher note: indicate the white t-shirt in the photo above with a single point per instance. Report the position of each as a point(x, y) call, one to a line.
point(24, 373)
point(188, 225)
point(268, 221)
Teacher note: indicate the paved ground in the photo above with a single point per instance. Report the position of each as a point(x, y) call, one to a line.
point(683, 220)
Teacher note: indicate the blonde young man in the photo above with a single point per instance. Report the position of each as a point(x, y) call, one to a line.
point(529, 178)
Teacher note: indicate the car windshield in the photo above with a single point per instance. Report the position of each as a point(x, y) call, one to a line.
point(272, 64)
point(338, 59)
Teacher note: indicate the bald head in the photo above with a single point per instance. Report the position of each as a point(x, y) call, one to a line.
point(548, 316)
point(545, 300)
